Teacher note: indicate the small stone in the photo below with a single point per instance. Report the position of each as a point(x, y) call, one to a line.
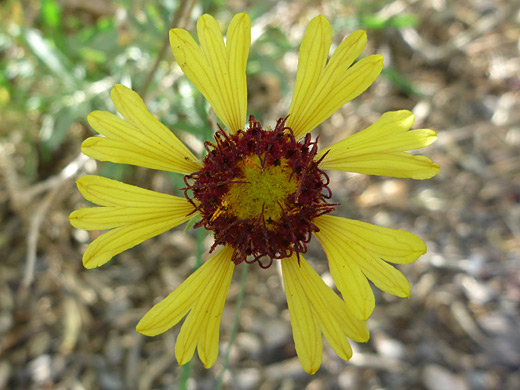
point(5, 373)
point(249, 343)
point(390, 192)
point(6, 322)
point(40, 368)
point(348, 379)
point(248, 378)
point(387, 347)
point(436, 377)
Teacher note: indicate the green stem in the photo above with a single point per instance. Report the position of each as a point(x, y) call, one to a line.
point(176, 17)
point(199, 250)
point(185, 375)
point(234, 327)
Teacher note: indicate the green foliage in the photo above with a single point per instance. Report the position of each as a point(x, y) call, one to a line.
point(400, 81)
point(58, 64)
point(51, 13)
point(377, 22)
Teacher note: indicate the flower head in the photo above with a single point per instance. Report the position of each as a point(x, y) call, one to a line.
point(259, 191)
point(262, 192)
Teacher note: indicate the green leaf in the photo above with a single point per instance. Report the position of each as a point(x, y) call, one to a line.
point(191, 222)
point(373, 22)
point(401, 21)
point(51, 13)
point(377, 22)
point(46, 52)
point(401, 82)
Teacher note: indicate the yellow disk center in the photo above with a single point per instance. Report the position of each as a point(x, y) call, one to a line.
point(260, 190)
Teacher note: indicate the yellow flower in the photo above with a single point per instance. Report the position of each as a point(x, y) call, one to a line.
point(262, 193)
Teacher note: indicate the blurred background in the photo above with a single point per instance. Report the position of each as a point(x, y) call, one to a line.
point(455, 64)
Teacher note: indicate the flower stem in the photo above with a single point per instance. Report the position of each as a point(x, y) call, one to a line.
point(234, 327)
point(201, 235)
point(185, 375)
point(176, 18)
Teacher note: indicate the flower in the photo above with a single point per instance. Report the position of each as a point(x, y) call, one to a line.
point(263, 193)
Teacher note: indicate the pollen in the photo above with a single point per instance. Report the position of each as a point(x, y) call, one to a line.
point(258, 191)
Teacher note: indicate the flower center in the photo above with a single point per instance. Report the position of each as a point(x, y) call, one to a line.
point(258, 191)
point(262, 190)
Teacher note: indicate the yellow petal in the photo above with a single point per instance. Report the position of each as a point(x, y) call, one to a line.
point(314, 51)
point(238, 41)
point(353, 244)
point(306, 332)
point(217, 71)
point(201, 328)
point(306, 289)
point(118, 240)
point(139, 140)
point(171, 309)
point(384, 276)
point(121, 152)
point(380, 149)
point(125, 143)
point(107, 192)
point(323, 296)
point(321, 90)
point(393, 245)
point(104, 218)
point(401, 164)
point(135, 213)
point(351, 282)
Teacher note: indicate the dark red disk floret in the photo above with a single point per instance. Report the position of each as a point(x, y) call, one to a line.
point(255, 238)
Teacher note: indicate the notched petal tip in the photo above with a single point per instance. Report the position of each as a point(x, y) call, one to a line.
point(95, 261)
point(407, 293)
point(145, 329)
point(418, 244)
point(427, 173)
point(242, 17)
point(182, 360)
point(402, 114)
point(174, 33)
point(85, 182)
point(377, 60)
point(120, 88)
point(90, 145)
point(74, 218)
point(94, 117)
point(183, 355)
point(207, 361)
point(179, 36)
point(361, 33)
point(359, 36)
point(243, 21)
point(361, 311)
point(124, 98)
point(319, 19)
point(205, 18)
point(373, 63)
